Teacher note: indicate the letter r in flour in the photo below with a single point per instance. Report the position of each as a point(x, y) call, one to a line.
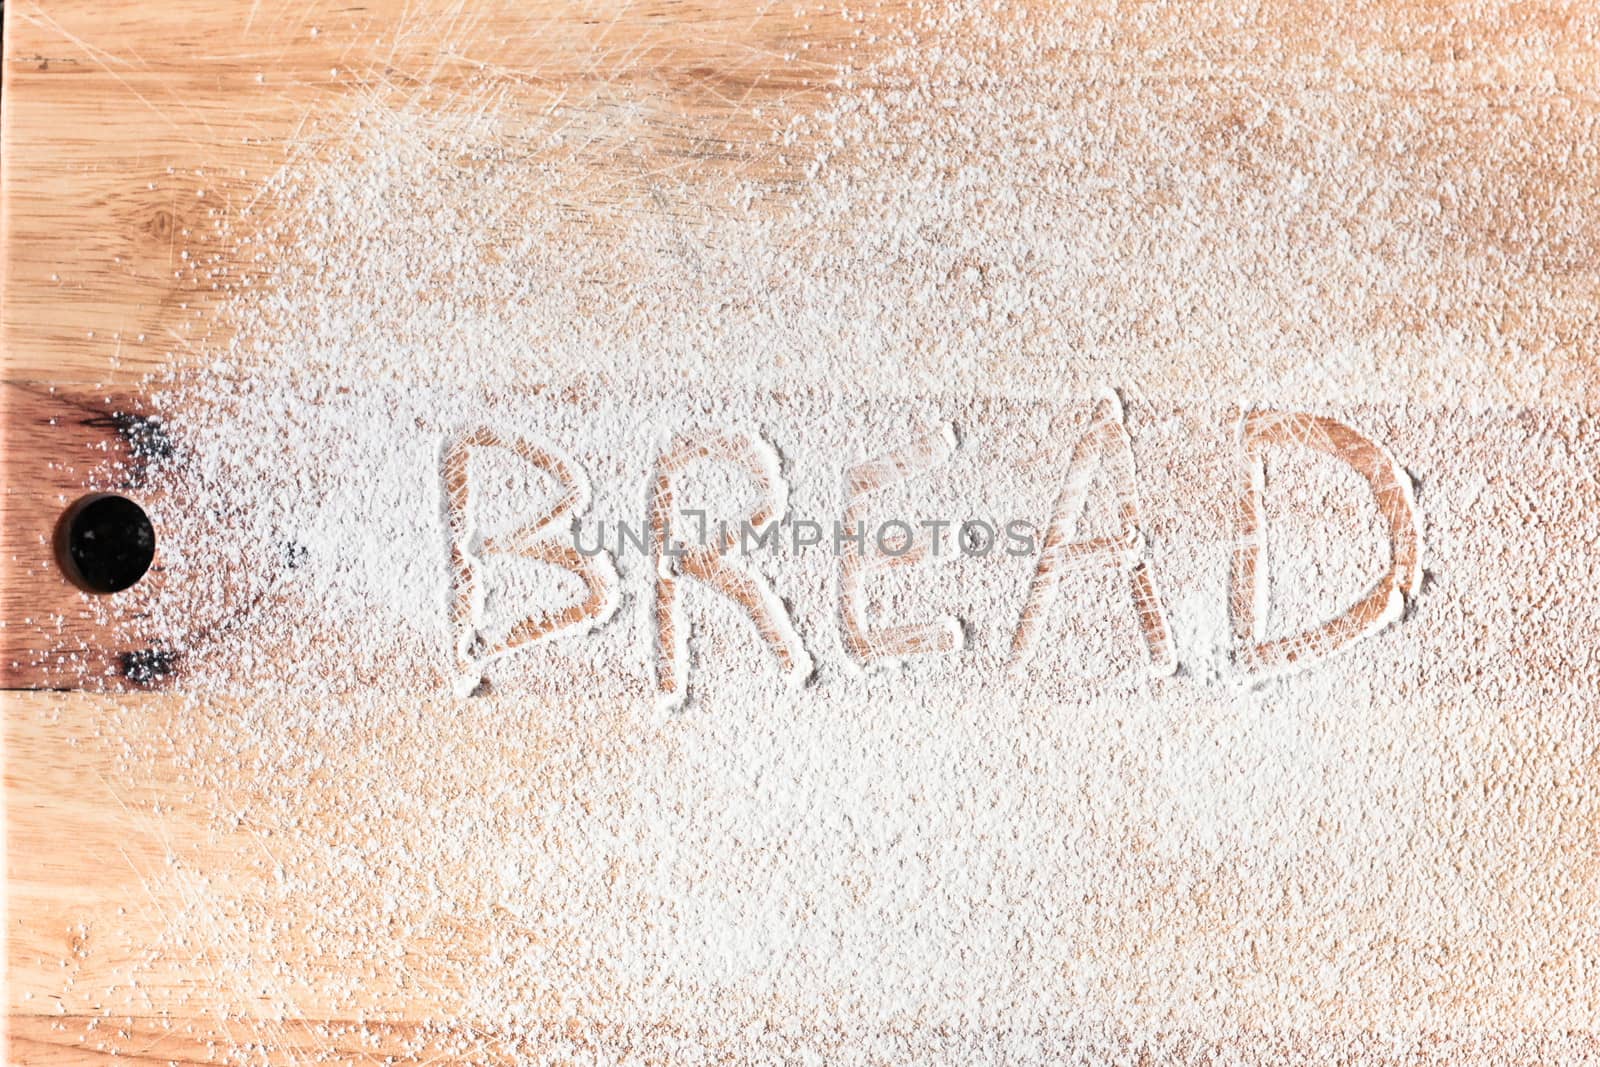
point(706, 563)
point(1248, 586)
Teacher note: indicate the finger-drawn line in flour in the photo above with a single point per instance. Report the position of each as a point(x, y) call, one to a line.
point(707, 562)
point(1248, 595)
point(533, 540)
point(1104, 446)
point(886, 645)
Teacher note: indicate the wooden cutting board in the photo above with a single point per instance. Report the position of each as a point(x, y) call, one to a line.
point(128, 128)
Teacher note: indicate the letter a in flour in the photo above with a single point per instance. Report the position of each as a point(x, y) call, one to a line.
point(533, 540)
point(1104, 446)
point(706, 563)
point(1247, 600)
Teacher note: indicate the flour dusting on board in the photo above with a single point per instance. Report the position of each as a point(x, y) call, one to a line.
point(688, 813)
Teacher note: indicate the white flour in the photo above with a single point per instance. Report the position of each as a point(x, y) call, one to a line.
point(944, 861)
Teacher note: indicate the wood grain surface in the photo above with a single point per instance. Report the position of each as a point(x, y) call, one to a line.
point(117, 115)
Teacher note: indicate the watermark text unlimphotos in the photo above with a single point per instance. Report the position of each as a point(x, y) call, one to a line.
point(893, 538)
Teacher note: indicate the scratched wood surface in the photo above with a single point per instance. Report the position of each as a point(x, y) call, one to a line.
point(110, 110)
point(114, 116)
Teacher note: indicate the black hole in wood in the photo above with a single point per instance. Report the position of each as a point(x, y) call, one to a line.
point(105, 543)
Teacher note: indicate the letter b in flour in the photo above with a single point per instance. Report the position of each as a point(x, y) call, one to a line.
point(532, 540)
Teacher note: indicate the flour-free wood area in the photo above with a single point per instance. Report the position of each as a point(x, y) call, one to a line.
point(137, 134)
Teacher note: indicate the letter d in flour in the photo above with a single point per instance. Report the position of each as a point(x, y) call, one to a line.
point(1384, 603)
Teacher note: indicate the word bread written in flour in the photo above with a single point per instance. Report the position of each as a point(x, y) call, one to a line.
point(868, 641)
